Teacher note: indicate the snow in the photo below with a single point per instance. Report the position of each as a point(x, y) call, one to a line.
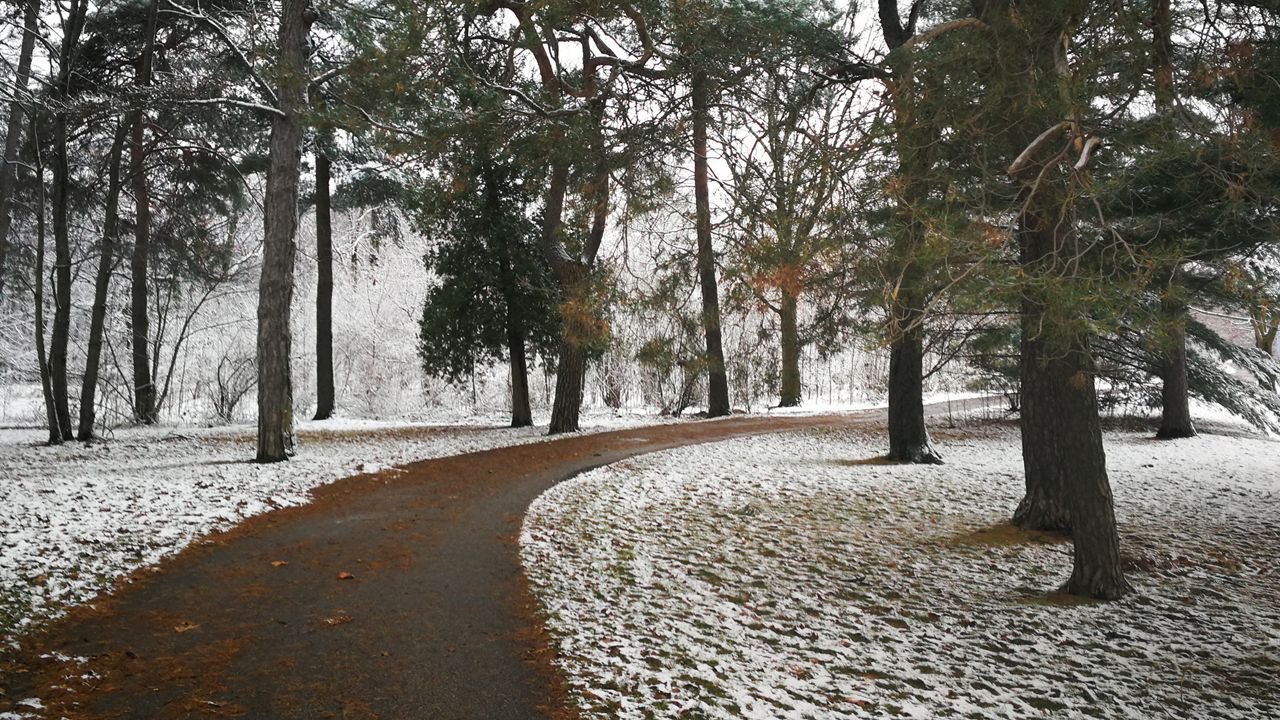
point(794, 576)
point(75, 518)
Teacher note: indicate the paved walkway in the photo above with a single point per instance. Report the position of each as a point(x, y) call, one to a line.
point(394, 595)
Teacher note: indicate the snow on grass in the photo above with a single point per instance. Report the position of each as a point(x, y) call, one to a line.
point(76, 517)
point(796, 576)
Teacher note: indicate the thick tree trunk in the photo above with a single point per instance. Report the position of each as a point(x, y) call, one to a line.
point(571, 365)
point(791, 388)
point(102, 285)
point(571, 374)
point(908, 437)
point(13, 133)
point(717, 379)
point(280, 225)
point(1096, 570)
point(324, 290)
point(1175, 416)
point(1045, 505)
point(573, 274)
point(1062, 448)
point(144, 389)
point(1061, 430)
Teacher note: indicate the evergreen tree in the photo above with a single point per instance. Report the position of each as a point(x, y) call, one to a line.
point(493, 294)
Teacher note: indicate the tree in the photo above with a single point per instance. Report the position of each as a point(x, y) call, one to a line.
point(908, 436)
point(493, 296)
point(280, 225)
point(792, 149)
point(73, 27)
point(1063, 454)
point(13, 133)
point(102, 284)
point(573, 105)
point(718, 382)
point(42, 358)
point(324, 286)
point(144, 389)
point(1175, 416)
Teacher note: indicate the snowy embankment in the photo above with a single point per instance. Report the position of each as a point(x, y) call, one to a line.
point(795, 576)
point(76, 517)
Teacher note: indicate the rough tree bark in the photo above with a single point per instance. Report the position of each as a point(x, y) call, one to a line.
point(1044, 505)
point(1061, 431)
point(324, 289)
point(908, 436)
point(787, 312)
point(577, 331)
point(144, 389)
point(717, 379)
point(574, 273)
point(280, 225)
point(562, 266)
point(13, 133)
point(571, 373)
point(102, 285)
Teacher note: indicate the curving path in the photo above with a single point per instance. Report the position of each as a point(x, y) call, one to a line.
point(433, 622)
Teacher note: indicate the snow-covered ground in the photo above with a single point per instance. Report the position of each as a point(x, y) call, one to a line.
point(794, 576)
point(76, 517)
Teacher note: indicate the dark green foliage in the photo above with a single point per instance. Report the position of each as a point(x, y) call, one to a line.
point(485, 255)
point(1251, 396)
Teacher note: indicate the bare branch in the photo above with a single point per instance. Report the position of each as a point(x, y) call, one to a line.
point(1024, 158)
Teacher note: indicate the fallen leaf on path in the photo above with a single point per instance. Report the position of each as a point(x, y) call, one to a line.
point(336, 620)
point(185, 626)
point(278, 563)
point(346, 576)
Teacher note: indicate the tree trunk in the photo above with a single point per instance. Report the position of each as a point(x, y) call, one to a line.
point(573, 274)
point(571, 366)
point(790, 352)
point(908, 436)
point(13, 133)
point(144, 389)
point(1175, 414)
point(102, 285)
point(280, 225)
point(1061, 431)
point(1045, 505)
point(62, 276)
point(521, 414)
point(58, 342)
point(1062, 448)
point(717, 379)
point(324, 290)
point(1096, 571)
point(571, 374)
point(46, 386)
